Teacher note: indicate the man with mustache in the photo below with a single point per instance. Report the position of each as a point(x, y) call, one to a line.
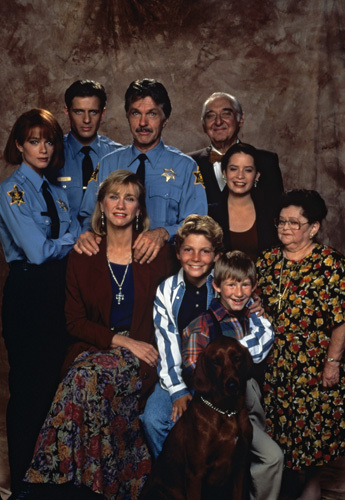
point(173, 185)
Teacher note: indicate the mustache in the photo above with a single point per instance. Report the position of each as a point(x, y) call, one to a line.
point(143, 129)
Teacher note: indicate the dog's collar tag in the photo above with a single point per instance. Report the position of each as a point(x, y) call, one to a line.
point(228, 413)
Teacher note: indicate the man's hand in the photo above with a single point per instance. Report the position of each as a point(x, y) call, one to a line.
point(147, 245)
point(88, 243)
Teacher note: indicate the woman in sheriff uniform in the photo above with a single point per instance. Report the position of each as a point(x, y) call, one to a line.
point(36, 233)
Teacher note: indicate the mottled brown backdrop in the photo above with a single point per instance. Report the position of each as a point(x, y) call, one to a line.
point(284, 59)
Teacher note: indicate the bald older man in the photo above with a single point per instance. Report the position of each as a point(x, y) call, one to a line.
point(222, 118)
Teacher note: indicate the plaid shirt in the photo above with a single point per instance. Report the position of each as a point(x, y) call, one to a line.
point(253, 332)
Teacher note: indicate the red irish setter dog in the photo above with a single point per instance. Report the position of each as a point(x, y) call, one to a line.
point(205, 455)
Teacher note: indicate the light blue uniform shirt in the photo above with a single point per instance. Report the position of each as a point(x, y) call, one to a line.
point(172, 183)
point(70, 177)
point(25, 233)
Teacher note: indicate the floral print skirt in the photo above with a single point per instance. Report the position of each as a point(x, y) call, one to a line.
point(92, 435)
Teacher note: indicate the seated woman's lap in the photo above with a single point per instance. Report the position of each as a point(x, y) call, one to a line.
point(94, 423)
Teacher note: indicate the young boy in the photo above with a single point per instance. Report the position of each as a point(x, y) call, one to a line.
point(235, 281)
point(179, 300)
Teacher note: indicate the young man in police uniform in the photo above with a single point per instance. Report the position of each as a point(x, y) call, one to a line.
point(85, 108)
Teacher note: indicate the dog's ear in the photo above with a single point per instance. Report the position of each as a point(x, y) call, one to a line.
point(201, 380)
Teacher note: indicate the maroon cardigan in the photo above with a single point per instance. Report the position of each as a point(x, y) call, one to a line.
point(89, 300)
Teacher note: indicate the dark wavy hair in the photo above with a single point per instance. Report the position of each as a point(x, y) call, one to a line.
point(313, 205)
point(139, 89)
point(240, 147)
point(85, 88)
point(50, 130)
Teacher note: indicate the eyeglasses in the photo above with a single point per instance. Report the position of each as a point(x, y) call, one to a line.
point(226, 114)
point(293, 224)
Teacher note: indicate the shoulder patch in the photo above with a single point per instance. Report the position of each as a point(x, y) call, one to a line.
point(62, 205)
point(94, 174)
point(16, 195)
point(198, 177)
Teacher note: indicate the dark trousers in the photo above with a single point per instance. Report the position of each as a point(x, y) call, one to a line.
point(35, 337)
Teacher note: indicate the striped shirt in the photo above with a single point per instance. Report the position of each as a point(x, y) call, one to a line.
point(167, 306)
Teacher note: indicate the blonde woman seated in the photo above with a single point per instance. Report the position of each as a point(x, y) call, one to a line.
point(91, 437)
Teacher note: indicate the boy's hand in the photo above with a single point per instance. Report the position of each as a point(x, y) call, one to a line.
point(257, 306)
point(180, 406)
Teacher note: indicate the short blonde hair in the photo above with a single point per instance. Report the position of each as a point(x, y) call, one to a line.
point(235, 265)
point(200, 224)
point(116, 179)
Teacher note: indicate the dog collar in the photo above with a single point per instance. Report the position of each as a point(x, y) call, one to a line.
point(222, 412)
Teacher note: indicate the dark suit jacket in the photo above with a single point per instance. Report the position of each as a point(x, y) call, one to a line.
point(89, 300)
point(270, 183)
point(267, 233)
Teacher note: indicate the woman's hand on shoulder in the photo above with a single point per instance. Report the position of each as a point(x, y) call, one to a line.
point(142, 350)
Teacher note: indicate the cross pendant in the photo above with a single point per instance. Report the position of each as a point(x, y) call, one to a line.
point(119, 297)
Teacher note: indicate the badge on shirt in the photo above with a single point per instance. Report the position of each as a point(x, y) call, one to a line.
point(169, 174)
point(198, 177)
point(94, 174)
point(16, 195)
point(62, 205)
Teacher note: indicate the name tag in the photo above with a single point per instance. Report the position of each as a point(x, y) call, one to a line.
point(64, 179)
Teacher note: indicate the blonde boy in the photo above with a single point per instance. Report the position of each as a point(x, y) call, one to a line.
point(179, 300)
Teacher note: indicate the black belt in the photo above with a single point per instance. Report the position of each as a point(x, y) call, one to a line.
point(25, 266)
point(21, 264)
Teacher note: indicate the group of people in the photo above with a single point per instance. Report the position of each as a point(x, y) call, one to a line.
point(88, 330)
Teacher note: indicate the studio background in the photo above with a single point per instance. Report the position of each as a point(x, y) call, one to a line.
point(283, 59)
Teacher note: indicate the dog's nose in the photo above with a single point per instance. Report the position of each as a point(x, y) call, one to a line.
point(231, 386)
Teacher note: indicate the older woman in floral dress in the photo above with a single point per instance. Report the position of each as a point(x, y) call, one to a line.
point(302, 284)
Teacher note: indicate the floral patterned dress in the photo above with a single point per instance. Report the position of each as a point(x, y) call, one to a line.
point(307, 421)
point(91, 435)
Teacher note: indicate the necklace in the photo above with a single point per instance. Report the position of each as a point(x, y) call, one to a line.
point(281, 295)
point(287, 284)
point(119, 296)
point(228, 413)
